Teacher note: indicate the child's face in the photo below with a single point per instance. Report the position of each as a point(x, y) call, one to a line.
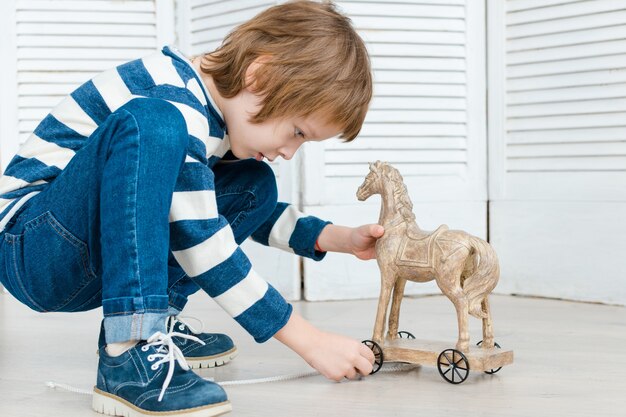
point(273, 138)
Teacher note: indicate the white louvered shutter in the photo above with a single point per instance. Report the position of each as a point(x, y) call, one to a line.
point(202, 25)
point(57, 45)
point(558, 146)
point(427, 119)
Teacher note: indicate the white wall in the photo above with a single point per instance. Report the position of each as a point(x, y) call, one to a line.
point(556, 124)
point(557, 129)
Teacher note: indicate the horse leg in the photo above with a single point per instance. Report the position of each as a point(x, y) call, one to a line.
point(394, 315)
point(462, 312)
point(386, 285)
point(488, 341)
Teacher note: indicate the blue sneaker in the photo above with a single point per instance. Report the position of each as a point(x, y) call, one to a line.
point(217, 349)
point(151, 379)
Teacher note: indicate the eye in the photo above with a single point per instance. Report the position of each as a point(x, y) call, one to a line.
point(298, 132)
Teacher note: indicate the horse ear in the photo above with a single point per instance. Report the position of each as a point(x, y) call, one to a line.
point(371, 167)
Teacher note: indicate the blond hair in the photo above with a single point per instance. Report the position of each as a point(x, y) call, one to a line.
point(312, 63)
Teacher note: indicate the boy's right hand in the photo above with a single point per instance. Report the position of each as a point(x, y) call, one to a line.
point(334, 356)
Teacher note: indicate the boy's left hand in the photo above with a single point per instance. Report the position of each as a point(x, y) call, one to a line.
point(363, 240)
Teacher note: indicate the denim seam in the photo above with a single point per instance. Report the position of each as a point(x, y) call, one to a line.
point(19, 281)
point(244, 214)
point(96, 295)
point(136, 264)
point(128, 313)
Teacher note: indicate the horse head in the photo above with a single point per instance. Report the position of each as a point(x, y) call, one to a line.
point(372, 183)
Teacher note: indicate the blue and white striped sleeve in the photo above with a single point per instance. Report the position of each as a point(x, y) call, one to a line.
point(203, 243)
point(291, 230)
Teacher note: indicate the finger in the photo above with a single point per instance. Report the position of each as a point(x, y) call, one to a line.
point(352, 374)
point(367, 353)
point(363, 366)
point(376, 230)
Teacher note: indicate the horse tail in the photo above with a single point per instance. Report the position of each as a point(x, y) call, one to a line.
point(481, 274)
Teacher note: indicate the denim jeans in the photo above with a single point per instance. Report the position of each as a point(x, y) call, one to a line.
point(99, 233)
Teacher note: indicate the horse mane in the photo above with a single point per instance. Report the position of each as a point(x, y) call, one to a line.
point(400, 193)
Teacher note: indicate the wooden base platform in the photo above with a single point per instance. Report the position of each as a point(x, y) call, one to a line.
point(426, 352)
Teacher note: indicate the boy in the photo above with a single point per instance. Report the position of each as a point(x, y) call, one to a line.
point(118, 200)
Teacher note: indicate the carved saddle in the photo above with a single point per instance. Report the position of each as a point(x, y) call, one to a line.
point(416, 248)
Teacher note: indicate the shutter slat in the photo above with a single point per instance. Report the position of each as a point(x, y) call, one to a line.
point(88, 5)
point(577, 107)
point(563, 11)
point(407, 23)
point(567, 149)
point(412, 50)
point(69, 17)
point(409, 37)
point(415, 116)
point(400, 75)
point(391, 142)
point(520, 5)
point(417, 103)
point(561, 53)
point(568, 135)
point(229, 20)
point(567, 38)
point(121, 41)
point(563, 95)
point(420, 90)
point(587, 163)
point(567, 25)
point(217, 9)
point(613, 119)
point(567, 66)
point(408, 64)
point(345, 171)
point(94, 29)
point(606, 76)
point(413, 129)
point(33, 53)
point(390, 9)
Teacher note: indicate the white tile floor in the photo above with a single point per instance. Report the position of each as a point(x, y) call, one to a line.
point(570, 360)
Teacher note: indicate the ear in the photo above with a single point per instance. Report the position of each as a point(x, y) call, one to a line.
point(251, 71)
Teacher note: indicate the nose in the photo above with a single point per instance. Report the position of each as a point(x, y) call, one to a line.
point(288, 151)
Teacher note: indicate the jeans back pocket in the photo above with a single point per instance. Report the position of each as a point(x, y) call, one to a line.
point(49, 266)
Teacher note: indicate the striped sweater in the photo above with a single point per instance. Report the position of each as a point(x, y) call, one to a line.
point(208, 252)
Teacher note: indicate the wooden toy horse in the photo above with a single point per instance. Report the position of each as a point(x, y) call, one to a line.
point(465, 267)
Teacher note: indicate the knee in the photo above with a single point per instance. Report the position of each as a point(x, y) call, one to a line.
point(265, 185)
point(159, 123)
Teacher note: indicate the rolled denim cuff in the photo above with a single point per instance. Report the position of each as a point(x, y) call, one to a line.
point(305, 235)
point(176, 302)
point(134, 326)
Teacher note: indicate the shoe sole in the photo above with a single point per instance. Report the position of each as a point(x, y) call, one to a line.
point(112, 405)
point(212, 361)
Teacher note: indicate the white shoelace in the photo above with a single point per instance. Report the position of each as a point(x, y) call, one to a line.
point(399, 367)
point(179, 319)
point(168, 352)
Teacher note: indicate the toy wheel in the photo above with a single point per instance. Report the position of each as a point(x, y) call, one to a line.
point(405, 335)
point(453, 366)
point(491, 371)
point(378, 354)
